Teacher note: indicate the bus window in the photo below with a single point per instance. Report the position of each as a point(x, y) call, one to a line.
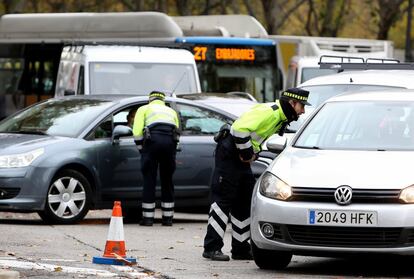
point(10, 74)
point(81, 81)
point(236, 64)
point(256, 80)
point(40, 67)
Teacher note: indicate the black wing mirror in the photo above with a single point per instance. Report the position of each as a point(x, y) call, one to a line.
point(120, 131)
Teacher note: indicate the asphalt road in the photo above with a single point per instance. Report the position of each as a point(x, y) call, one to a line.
point(37, 250)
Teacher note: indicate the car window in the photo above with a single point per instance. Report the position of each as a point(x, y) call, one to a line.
point(312, 72)
point(124, 117)
point(140, 78)
point(320, 93)
point(56, 117)
point(104, 130)
point(199, 121)
point(361, 125)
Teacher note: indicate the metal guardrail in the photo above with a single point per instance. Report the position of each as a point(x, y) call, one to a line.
point(341, 63)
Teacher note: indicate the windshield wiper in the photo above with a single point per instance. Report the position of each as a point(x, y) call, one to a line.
point(29, 132)
point(309, 147)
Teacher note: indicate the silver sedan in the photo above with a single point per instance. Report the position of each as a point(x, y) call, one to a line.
point(343, 185)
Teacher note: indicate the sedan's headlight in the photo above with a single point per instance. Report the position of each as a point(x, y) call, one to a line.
point(20, 160)
point(407, 194)
point(274, 188)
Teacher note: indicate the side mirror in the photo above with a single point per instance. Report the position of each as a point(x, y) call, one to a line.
point(69, 92)
point(120, 131)
point(276, 143)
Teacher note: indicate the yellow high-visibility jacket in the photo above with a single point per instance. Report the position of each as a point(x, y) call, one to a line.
point(254, 126)
point(156, 112)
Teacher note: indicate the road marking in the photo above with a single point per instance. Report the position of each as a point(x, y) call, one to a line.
point(132, 272)
point(57, 260)
point(10, 262)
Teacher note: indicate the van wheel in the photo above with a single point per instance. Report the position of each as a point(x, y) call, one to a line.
point(269, 259)
point(68, 198)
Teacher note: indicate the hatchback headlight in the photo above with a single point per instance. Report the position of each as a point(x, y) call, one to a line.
point(20, 160)
point(274, 188)
point(407, 194)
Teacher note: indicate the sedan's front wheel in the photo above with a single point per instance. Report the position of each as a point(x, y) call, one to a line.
point(269, 259)
point(68, 198)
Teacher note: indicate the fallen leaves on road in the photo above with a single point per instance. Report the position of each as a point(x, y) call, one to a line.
point(58, 269)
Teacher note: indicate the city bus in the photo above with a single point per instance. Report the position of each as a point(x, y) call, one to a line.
point(233, 53)
point(31, 46)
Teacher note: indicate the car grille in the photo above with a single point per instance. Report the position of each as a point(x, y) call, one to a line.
point(358, 195)
point(8, 193)
point(342, 236)
point(348, 236)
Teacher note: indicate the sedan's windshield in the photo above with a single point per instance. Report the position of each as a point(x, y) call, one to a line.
point(361, 126)
point(141, 78)
point(58, 117)
point(320, 93)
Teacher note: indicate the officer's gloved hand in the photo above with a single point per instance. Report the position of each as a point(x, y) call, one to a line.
point(253, 158)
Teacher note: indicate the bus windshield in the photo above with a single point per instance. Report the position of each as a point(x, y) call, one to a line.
point(141, 78)
point(256, 80)
point(236, 65)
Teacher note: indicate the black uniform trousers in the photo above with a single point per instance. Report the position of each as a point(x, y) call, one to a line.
point(159, 151)
point(232, 187)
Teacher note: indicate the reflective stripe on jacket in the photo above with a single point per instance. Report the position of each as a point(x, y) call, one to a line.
point(254, 126)
point(156, 112)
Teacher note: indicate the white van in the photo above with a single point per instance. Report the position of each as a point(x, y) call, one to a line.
point(300, 54)
point(116, 69)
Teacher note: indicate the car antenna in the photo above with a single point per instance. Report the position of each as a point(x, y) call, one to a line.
point(178, 83)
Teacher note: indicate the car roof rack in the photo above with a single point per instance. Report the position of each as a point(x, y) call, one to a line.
point(342, 63)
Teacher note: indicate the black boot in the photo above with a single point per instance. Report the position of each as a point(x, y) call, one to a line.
point(242, 256)
point(167, 221)
point(147, 222)
point(215, 255)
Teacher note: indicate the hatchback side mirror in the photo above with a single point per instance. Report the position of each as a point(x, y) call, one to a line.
point(276, 144)
point(120, 131)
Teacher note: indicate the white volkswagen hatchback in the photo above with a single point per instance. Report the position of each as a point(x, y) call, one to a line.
point(343, 185)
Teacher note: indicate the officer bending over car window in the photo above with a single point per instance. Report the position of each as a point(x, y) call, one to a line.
point(156, 136)
point(233, 180)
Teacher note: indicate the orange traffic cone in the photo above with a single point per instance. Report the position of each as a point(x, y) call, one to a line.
point(115, 244)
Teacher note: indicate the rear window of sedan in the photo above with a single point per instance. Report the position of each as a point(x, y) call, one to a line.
point(361, 125)
point(57, 117)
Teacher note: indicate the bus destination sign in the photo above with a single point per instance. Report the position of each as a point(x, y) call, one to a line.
point(203, 53)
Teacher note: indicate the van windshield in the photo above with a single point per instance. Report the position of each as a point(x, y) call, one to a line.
point(141, 78)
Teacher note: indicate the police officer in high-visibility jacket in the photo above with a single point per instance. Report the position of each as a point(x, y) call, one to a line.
point(233, 180)
point(156, 136)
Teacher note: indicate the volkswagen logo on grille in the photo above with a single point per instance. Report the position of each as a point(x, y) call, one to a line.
point(343, 195)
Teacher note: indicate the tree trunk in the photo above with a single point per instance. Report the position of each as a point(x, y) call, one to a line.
point(271, 12)
point(183, 8)
point(408, 54)
point(389, 12)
